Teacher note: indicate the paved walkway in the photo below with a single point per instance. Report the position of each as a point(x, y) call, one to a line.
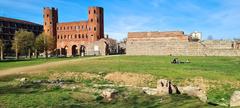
point(43, 67)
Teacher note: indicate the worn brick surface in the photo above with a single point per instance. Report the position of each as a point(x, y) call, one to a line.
point(175, 43)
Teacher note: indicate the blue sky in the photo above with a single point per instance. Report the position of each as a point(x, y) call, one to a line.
point(218, 18)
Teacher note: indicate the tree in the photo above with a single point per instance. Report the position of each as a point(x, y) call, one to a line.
point(23, 41)
point(1, 48)
point(44, 43)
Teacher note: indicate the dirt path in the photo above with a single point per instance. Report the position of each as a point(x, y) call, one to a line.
point(43, 67)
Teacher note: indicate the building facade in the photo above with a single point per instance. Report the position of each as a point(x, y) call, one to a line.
point(8, 26)
point(73, 38)
point(176, 43)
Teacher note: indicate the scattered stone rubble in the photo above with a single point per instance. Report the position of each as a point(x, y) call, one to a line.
point(65, 84)
point(165, 87)
point(109, 94)
point(235, 99)
point(194, 91)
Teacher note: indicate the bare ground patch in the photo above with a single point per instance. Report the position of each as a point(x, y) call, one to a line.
point(73, 76)
point(133, 79)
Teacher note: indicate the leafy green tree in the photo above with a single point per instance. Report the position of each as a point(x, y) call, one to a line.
point(44, 43)
point(1, 48)
point(23, 41)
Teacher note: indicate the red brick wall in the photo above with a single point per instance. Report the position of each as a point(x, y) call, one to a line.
point(79, 33)
point(178, 35)
point(50, 16)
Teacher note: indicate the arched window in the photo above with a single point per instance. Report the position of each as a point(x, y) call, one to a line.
point(89, 28)
point(95, 29)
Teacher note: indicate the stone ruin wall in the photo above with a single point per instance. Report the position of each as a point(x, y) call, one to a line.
point(177, 46)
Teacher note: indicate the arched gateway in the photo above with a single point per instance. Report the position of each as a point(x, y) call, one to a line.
point(74, 50)
point(75, 35)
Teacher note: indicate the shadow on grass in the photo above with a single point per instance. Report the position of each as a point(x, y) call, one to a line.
point(20, 89)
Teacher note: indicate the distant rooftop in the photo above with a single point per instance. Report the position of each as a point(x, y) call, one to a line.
point(17, 20)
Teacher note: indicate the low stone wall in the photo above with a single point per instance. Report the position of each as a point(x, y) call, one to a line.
point(180, 48)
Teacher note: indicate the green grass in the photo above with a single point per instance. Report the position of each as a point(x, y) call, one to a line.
point(210, 68)
point(216, 68)
point(28, 62)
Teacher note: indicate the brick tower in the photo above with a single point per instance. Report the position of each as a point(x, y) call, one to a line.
point(95, 23)
point(50, 16)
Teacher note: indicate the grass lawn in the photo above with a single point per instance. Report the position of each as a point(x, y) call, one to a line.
point(216, 68)
point(220, 74)
point(28, 62)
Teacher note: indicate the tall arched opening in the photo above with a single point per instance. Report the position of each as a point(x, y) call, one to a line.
point(82, 50)
point(74, 50)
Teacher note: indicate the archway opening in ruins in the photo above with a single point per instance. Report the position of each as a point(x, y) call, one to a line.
point(74, 50)
point(64, 51)
point(82, 50)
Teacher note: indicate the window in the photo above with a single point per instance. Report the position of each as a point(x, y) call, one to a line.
point(61, 37)
point(97, 20)
point(63, 28)
point(67, 28)
point(79, 35)
point(89, 12)
point(91, 20)
point(45, 23)
point(86, 36)
point(82, 35)
point(95, 29)
point(47, 15)
point(75, 35)
point(58, 37)
point(50, 22)
point(64, 36)
point(94, 11)
point(60, 28)
point(57, 28)
point(90, 28)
